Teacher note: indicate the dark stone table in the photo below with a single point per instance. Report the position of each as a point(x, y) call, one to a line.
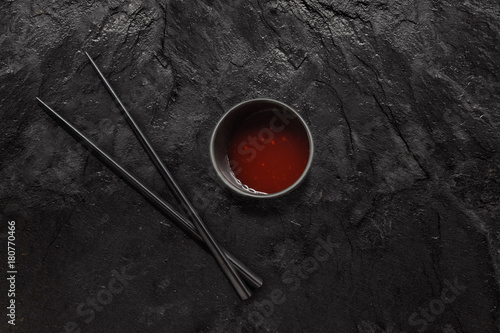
point(396, 228)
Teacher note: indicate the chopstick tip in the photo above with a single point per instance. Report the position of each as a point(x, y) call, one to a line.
point(91, 60)
point(89, 57)
point(43, 104)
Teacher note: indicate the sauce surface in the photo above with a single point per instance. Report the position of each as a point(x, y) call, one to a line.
point(268, 151)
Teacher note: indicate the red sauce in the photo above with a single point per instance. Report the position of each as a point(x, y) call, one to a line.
point(269, 150)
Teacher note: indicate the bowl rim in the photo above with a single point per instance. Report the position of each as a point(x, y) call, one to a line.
point(247, 193)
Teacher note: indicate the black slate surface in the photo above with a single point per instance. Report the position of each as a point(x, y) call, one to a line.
point(402, 98)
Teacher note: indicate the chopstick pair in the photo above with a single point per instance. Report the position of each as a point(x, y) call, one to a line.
point(194, 226)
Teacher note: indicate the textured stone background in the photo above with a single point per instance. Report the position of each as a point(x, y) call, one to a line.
point(402, 98)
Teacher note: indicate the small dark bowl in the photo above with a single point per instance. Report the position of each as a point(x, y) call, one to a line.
point(223, 132)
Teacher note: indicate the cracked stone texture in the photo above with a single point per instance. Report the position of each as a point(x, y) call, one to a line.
point(402, 98)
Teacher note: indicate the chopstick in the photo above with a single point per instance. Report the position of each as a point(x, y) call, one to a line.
point(208, 239)
point(154, 198)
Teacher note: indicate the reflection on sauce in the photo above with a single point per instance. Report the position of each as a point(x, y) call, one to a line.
point(268, 151)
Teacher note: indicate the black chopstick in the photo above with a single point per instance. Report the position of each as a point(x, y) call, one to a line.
point(247, 274)
point(208, 239)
